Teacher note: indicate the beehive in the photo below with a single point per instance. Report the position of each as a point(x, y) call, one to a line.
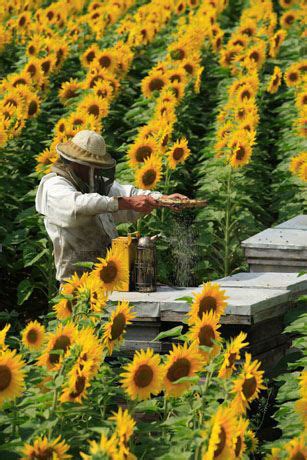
point(127, 245)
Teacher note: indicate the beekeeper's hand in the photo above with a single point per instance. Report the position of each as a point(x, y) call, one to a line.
point(141, 203)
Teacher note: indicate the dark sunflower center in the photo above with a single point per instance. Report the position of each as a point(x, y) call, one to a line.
point(179, 54)
point(156, 84)
point(246, 94)
point(32, 108)
point(165, 140)
point(205, 336)
point(105, 61)
point(231, 359)
point(180, 368)
point(178, 153)
point(222, 442)
point(255, 56)
point(218, 42)
point(31, 49)
point(206, 304)
point(293, 76)
point(94, 80)
point(298, 456)
point(249, 387)
point(149, 177)
point(189, 68)
point(78, 121)
point(275, 80)
point(79, 387)
point(61, 343)
point(118, 326)
point(70, 93)
point(238, 446)
point(93, 110)
point(175, 77)
point(19, 81)
point(240, 153)
point(32, 336)
point(5, 377)
point(11, 101)
point(238, 42)
point(22, 21)
point(241, 114)
point(32, 69)
point(143, 153)
point(289, 19)
point(46, 454)
point(248, 31)
point(304, 101)
point(143, 376)
point(109, 273)
point(46, 66)
point(62, 127)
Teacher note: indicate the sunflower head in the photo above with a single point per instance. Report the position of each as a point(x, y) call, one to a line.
point(293, 76)
point(112, 271)
point(211, 299)
point(11, 375)
point(222, 433)
point(153, 84)
point(178, 153)
point(143, 376)
point(33, 335)
point(183, 361)
point(231, 355)
point(205, 333)
point(141, 150)
point(44, 448)
point(149, 174)
point(58, 346)
point(114, 329)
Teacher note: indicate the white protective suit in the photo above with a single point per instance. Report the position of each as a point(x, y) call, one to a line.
point(81, 225)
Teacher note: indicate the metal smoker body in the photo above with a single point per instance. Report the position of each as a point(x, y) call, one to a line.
point(146, 265)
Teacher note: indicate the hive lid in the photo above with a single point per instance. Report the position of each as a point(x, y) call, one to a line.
point(266, 280)
point(297, 223)
point(278, 238)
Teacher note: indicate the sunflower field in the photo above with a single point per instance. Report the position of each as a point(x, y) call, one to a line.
point(202, 97)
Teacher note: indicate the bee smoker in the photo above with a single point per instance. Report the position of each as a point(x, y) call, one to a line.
point(146, 265)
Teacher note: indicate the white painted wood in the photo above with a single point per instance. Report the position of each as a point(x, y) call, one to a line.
point(297, 223)
point(266, 280)
point(276, 238)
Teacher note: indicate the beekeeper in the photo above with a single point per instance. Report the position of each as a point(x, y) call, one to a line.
point(82, 203)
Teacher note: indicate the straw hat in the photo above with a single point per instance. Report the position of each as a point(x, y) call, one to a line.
point(86, 147)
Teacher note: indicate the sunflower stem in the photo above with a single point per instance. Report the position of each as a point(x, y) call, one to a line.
point(15, 426)
point(55, 399)
point(227, 224)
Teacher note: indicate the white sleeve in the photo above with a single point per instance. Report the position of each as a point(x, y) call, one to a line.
point(118, 190)
point(63, 205)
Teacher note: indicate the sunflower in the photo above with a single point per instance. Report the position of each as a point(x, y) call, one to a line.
point(232, 354)
point(203, 332)
point(33, 103)
point(301, 404)
point(222, 431)
point(58, 341)
point(301, 102)
point(177, 75)
point(249, 28)
point(275, 81)
point(297, 161)
point(153, 83)
point(43, 448)
point(125, 424)
point(97, 296)
point(11, 375)
point(301, 124)
point(33, 335)
point(33, 67)
point(90, 351)
point(69, 90)
point(229, 55)
point(77, 385)
point(244, 110)
point(239, 438)
point(248, 384)
point(114, 329)
point(288, 18)
point(45, 160)
point(3, 333)
point(106, 59)
point(240, 149)
point(211, 298)
point(20, 79)
point(302, 172)
point(292, 76)
point(165, 112)
point(149, 174)
point(296, 448)
point(178, 153)
point(12, 99)
point(256, 54)
point(245, 93)
point(239, 40)
point(189, 66)
point(143, 376)
point(76, 120)
point(48, 64)
point(112, 271)
point(103, 89)
point(141, 150)
point(276, 42)
point(182, 361)
point(94, 105)
point(178, 89)
point(106, 448)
